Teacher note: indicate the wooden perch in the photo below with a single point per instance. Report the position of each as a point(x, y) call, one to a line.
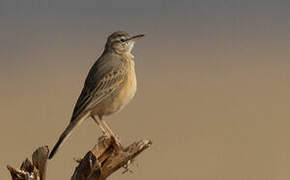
point(100, 162)
point(104, 159)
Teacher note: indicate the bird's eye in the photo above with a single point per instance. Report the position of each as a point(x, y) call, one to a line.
point(122, 40)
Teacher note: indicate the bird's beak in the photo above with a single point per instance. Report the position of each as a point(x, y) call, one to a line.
point(135, 37)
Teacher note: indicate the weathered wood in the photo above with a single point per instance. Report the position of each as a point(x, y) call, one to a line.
point(34, 170)
point(104, 159)
point(100, 162)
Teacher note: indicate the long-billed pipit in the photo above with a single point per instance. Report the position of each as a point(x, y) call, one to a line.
point(109, 86)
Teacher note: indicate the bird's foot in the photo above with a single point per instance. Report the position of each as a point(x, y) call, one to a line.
point(105, 133)
point(117, 143)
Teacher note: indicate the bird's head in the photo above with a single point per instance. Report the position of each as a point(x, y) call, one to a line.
point(121, 42)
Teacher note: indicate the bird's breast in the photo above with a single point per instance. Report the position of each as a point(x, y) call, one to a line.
point(129, 88)
point(122, 96)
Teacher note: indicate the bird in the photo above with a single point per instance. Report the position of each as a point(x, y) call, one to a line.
point(109, 86)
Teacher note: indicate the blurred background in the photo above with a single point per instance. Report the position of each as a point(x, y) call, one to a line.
point(213, 84)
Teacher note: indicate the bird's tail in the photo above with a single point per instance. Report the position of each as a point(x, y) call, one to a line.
point(67, 132)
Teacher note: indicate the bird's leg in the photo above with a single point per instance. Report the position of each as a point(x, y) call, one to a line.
point(115, 137)
point(107, 130)
point(104, 131)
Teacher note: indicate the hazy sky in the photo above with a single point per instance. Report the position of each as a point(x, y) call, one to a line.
point(206, 27)
point(213, 84)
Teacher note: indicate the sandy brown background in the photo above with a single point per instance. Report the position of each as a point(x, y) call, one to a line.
point(213, 85)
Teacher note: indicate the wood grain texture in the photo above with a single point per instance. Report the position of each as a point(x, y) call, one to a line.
point(104, 159)
point(99, 163)
point(35, 170)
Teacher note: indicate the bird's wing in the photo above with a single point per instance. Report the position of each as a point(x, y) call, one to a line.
point(103, 79)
